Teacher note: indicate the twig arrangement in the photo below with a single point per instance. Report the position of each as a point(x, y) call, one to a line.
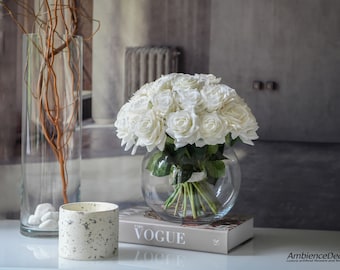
point(55, 23)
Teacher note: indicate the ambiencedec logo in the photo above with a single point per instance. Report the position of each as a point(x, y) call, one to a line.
point(313, 257)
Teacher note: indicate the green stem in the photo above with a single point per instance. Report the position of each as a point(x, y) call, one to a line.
point(200, 202)
point(172, 197)
point(195, 194)
point(178, 200)
point(209, 201)
point(192, 201)
point(184, 206)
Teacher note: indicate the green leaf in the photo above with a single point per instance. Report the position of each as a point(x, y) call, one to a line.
point(212, 149)
point(212, 180)
point(181, 174)
point(159, 164)
point(169, 145)
point(199, 153)
point(215, 169)
point(182, 156)
point(187, 171)
point(218, 155)
point(229, 141)
point(153, 159)
point(169, 140)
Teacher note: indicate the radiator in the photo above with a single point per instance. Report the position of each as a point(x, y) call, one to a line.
point(146, 64)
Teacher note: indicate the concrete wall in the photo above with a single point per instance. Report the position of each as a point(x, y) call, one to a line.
point(128, 23)
point(296, 44)
point(10, 89)
point(293, 43)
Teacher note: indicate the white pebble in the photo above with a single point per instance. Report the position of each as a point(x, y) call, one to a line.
point(43, 208)
point(49, 224)
point(33, 220)
point(50, 215)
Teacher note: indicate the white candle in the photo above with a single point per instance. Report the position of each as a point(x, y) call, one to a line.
point(88, 230)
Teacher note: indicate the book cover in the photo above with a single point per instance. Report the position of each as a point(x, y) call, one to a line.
point(139, 225)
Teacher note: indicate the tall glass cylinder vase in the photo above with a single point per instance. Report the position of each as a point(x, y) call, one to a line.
point(51, 130)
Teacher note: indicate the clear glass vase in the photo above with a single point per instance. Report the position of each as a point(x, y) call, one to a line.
point(197, 187)
point(51, 131)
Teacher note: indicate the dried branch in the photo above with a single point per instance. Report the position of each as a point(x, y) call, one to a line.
point(55, 22)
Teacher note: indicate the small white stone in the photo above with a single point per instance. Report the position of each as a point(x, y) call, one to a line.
point(50, 215)
point(43, 208)
point(49, 224)
point(33, 220)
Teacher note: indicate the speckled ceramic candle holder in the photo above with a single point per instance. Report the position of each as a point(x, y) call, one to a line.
point(88, 230)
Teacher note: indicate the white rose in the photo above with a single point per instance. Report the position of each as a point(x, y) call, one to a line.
point(165, 81)
point(182, 126)
point(212, 129)
point(164, 102)
point(213, 96)
point(141, 93)
point(197, 110)
point(186, 81)
point(123, 125)
point(140, 105)
point(154, 88)
point(208, 78)
point(150, 132)
point(248, 132)
point(240, 120)
point(189, 99)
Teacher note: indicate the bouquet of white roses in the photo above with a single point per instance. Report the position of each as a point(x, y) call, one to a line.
point(186, 117)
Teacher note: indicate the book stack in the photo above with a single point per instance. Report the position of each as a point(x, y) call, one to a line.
point(140, 225)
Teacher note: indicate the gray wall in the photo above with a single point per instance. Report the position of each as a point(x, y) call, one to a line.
point(129, 23)
point(296, 44)
point(10, 89)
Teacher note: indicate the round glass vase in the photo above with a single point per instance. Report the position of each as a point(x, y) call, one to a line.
point(51, 131)
point(194, 196)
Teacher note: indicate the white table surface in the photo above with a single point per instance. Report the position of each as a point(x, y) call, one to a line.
point(269, 249)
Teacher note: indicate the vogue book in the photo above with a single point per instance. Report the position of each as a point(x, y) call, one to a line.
point(139, 225)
